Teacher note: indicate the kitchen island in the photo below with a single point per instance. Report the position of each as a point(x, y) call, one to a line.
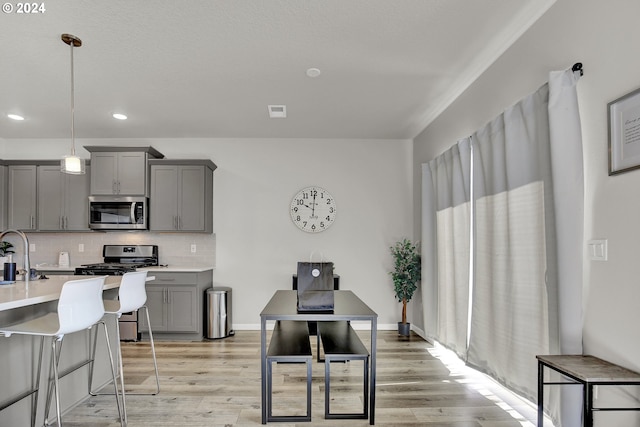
point(19, 353)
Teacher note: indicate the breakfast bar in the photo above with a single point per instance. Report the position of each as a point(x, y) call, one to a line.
point(22, 301)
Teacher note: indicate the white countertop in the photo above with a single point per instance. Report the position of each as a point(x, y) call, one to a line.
point(168, 269)
point(22, 294)
point(178, 269)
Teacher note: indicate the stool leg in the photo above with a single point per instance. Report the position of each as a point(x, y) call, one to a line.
point(121, 413)
point(119, 357)
point(55, 353)
point(153, 349)
point(36, 388)
point(153, 353)
point(91, 364)
point(123, 418)
point(55, 356)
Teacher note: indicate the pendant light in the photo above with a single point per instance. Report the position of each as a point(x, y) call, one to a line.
point(72, 164)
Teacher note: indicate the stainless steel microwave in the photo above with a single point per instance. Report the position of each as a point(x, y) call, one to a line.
point(118, 213)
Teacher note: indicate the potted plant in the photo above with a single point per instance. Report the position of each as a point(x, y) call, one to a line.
point(6, 248)
point(406, 275)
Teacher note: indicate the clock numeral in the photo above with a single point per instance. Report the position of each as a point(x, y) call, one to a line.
point(328, 218)
point(304, 223)
point(329, 201)
point(322, 224)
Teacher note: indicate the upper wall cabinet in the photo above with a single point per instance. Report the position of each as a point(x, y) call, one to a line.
point(121, 170)
point(181, 196)
point(3, 197)
point(63, 200)
point(22, 197)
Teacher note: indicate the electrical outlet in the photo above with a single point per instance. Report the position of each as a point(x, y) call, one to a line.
point(32, 247)
point(80, 247)
point(193, 248)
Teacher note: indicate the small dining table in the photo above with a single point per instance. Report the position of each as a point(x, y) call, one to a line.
point(347, 306)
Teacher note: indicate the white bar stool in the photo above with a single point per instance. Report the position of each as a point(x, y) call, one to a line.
point(132, 296)
point(80, 307)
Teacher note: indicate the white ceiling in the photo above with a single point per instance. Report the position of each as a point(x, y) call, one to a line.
point(209, 68)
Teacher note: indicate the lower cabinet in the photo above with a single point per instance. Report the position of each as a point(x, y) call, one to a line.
point(175, 302)
point(172, 308)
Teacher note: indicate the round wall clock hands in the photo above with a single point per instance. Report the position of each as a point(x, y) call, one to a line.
point(313, 209)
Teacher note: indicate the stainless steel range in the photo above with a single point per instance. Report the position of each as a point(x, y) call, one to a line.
point(120, 259)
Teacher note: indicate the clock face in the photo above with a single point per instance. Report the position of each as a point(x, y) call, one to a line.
point(313, 209)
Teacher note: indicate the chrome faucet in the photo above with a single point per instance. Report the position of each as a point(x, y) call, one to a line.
point(25, 242)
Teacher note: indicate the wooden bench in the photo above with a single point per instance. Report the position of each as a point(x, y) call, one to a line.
point(290, 344)
point(341, 343)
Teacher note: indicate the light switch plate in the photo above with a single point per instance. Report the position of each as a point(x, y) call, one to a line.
point(598, 249)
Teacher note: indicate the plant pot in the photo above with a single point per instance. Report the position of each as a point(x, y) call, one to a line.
point(404, 329)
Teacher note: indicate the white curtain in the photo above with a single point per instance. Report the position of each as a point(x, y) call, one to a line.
point(514, 308)
point(568, 191)
point(527, 222)
point(449, 175)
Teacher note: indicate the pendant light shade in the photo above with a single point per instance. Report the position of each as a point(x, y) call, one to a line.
point(72, 164)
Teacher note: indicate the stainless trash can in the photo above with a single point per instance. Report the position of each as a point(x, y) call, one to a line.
point(218, 312)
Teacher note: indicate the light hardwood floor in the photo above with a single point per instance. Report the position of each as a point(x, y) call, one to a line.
point(217, 384)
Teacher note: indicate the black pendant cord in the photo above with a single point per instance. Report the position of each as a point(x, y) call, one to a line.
point(578, 67)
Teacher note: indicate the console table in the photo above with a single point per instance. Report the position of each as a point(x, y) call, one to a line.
point(347, 306)
point(588, 371)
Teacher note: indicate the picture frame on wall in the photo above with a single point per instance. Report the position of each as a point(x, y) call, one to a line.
point(624, 133)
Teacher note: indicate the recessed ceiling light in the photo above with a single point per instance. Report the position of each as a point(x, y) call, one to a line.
point(278, 111)
point(15, 117)
point(119, 116)
point(313, 72)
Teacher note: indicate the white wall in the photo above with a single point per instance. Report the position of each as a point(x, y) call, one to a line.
point(604, 37)
point(256, 243)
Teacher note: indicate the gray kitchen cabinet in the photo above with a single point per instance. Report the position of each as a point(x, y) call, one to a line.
point(3, 197)
point(63, 200)
point(22, 197)
point(181, 196)
point(120, 170)
point(175, 302)
point(118, 173)
point(172, 308)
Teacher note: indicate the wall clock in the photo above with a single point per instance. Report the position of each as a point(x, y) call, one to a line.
point(313, 209)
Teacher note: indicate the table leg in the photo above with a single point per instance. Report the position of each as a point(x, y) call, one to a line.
point(372, 384)
point(263, 367)
point(540, 394)
point(588, 405)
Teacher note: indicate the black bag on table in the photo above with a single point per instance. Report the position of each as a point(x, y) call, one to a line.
point(315, 287)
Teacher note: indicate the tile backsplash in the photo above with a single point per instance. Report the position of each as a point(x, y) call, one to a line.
point(173, 248)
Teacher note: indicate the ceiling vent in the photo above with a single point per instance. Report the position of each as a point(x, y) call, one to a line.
point(278, 111)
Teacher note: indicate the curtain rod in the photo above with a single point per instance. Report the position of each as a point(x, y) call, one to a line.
point(578, 67)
